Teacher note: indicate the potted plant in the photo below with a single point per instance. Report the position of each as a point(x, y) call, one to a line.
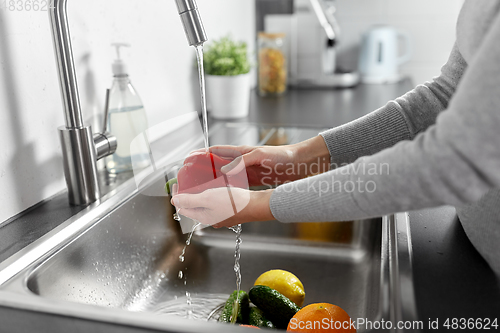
point(227, 70)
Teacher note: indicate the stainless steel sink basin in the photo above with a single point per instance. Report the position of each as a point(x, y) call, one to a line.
point(118, 260)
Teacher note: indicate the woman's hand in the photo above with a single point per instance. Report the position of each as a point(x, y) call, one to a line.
point(225, 206)
point(274, 165)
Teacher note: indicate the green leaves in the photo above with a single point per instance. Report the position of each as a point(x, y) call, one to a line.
point(226, 57)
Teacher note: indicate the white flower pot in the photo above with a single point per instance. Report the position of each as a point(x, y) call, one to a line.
point(228, 96)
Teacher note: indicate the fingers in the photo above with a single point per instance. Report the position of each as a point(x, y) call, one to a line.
point(222, 224)
point(217, 225)
point(201, 215)
point(226, 151)
point(188, 201)
point(196, 214)
point(201, 150)
point(240, 163)
point(227, 223)
point(237, 165)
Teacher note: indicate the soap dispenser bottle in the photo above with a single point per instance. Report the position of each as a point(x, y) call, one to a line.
point(127, 120)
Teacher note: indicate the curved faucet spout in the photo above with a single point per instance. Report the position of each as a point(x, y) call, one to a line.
point(191, 20)
point(65, 64)
point(80, 151)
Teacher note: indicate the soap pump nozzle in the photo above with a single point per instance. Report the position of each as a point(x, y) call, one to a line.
point(119, 67)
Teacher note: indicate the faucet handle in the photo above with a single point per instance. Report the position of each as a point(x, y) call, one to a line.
point(105, 143)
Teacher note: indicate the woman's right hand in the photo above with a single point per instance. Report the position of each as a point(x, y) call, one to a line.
point(274, 165)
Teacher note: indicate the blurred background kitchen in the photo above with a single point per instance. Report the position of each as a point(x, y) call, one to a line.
point(161, 65)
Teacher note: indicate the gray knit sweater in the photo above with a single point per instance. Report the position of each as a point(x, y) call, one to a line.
point(439, 144)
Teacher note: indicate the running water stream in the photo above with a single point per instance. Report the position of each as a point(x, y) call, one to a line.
point(177, 217)
point(188, 241)
point(201, 74)
point(237, 229)
point(237, 270)
point(189, 310)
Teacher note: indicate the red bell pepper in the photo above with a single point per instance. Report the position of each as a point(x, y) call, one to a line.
point(201, 171)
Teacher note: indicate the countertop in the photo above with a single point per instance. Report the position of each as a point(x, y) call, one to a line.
point(322, 108)
point(451, 278)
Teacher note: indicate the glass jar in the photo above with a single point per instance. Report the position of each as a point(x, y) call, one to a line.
point(272, 64)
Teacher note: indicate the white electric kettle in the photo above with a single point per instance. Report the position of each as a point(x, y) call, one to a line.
point(379, 57)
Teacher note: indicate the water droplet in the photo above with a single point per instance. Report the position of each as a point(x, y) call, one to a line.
point(180, 274)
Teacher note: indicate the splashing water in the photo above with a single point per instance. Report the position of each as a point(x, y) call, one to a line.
point(202, 305)
point(176, 216)
point(189, 310)
point(188, 241)
point(237, 270)
point(237, 254)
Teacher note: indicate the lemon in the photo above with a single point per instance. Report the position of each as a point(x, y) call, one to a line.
point(284, 282)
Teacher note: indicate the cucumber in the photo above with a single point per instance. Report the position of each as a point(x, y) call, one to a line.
point(256, 318)
point(227, 312)
point(168, 185)
point(278, 308)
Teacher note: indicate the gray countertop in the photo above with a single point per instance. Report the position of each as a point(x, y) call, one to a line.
point(322, 108)
point(451, 279)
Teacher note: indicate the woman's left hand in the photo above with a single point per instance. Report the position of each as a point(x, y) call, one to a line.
point(225, 206)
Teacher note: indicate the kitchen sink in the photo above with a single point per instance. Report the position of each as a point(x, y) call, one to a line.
point(117, 261)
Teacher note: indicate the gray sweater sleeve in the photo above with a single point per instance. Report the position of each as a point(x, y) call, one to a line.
point(398, 120)
point(455, 161)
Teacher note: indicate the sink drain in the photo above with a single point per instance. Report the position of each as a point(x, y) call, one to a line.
point(215, 314)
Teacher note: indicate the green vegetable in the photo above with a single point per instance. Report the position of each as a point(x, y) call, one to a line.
point(278, 308)
point(168, 185)
point(226, 57)
point(242, 308)
point(257, 318)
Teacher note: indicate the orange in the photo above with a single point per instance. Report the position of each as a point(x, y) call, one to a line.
point(321, 317)
point(250, 326)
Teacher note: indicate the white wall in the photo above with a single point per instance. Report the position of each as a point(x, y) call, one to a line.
point(161, 68)
point(431, 24)
point(160, 62)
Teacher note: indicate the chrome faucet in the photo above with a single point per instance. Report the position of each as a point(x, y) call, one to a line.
point(81, 149)
point(191, 20)
point(322, 69)
point(324, 11)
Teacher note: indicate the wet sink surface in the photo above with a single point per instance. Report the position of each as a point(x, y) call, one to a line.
point(125, 259)
point(130, 260)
